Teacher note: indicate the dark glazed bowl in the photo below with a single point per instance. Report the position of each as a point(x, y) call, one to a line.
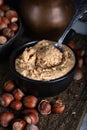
point(40, 88)
point(6, 48)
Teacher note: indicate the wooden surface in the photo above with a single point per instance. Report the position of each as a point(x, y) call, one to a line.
point(74, 97)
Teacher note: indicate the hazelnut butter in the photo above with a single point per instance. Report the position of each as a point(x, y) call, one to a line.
point(44, 61)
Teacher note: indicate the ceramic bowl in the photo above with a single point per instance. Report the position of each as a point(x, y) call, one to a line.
point(37, 87)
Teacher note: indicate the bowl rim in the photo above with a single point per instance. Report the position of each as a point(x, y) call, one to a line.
point(14, 54)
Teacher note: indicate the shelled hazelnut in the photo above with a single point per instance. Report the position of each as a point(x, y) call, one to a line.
point(9, 86)
point(18, 94)
point(6, 99)
point(16, 105)
point(18, 124)
point(5, 118)
point(58, 107)
point(30, 101)
point(44, 107)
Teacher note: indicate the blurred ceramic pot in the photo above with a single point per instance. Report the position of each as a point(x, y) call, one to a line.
point(46, 19)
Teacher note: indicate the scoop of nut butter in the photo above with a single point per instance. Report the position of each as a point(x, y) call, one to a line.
point(48, 18)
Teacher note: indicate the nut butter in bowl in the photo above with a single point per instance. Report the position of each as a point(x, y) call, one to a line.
point(43, 68)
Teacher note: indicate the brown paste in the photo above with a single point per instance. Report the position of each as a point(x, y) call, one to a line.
point(43, 62)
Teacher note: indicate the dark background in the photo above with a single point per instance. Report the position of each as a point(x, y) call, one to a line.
point(15, 3)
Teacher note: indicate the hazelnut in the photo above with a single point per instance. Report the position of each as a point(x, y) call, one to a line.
point(5, 118)
point(80, 52)
point(27, 111)
point(3, 24)
point(9, 86)
point(6, 99)
point(30, 101)
point(8, 32)
point(72, 44)
point(44, 107)
point(13, 26)
point(80, 62)
point(5, 20)
point(31, 127)
point(58, 107)
point(16, 105)
point(3, 40)
point(18, 124)
point(12, 16)
point(18, 94)
point(4, 7)
point(85, 60)
point(78, 74)
point(32, 117)
point(1, 13)
point(1, 2)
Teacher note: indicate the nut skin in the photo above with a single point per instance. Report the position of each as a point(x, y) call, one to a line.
point(18, 94)
point(58, 107)
point(31, 127)
point(12, 16)
point(3, 40)
point(44, 107)
point(5, 118)
point(16, 105)
point(9, 86)
point(6, 99)
point(30, 101)
point(19, 124)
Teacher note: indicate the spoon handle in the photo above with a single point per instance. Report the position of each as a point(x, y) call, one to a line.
point(78, 15)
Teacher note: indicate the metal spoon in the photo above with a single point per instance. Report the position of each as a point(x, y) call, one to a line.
point(78, 15)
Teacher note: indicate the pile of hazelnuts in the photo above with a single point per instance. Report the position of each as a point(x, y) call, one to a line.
point(82, 60)
point(8, 22)
point(22, 111)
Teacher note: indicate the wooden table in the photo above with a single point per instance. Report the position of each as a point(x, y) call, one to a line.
point(74, 97)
